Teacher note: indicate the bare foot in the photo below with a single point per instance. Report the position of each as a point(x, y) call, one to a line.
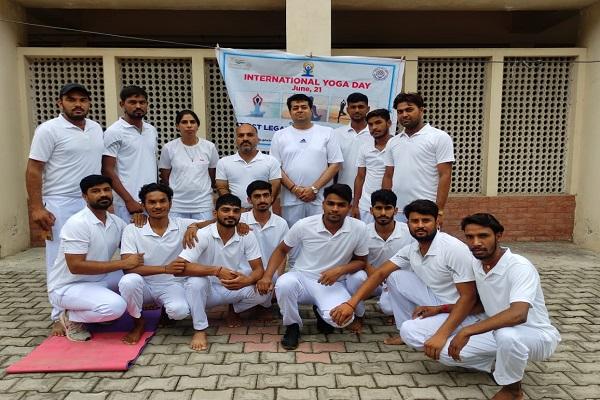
point(199, 341)
point(57, 329)
point(136, 333)
point(510, 392)
point(394, 340)
point(356, 326)
point(390, 320)
point(233, 320)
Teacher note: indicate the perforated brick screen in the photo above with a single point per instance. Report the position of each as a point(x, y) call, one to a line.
point(221, 118)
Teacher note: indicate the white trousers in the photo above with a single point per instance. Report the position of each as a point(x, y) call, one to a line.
point(198, 216)
point(202, 293)
point(354, 281)
point(62, 208)
point(90, 302)
point(296, 212)
point(295, 287)
point(366, 216)
point(170, 294)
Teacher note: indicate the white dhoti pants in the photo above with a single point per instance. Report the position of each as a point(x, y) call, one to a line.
point(295, 287)
point(296, 212)
point(62, 208)
point(89, 302)
point(198, 216)
point(202, 293)
point(169, 294)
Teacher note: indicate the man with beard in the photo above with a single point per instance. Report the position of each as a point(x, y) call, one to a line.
point(129, 157)
point(237, 171)
point(430, 281)
point(512, 298)
point(371, 165)
point(215, 269)
point(418, 160)
point(352, 137)
point(330, 248)
point(83, 280)
point(63, 151)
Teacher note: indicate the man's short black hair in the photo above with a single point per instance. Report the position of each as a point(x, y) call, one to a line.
point(482, 219)
point(384, 196)
point(380, 112)
point(425, 207)
point(340, 189)
point(357, 98)
point(93, 180)
point(155, 187)
point(132, 90)
point(259, 185)
point(411, 97)
point(299, 97)
point(229, 200)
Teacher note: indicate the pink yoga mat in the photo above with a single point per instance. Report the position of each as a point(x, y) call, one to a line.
point(104, 352)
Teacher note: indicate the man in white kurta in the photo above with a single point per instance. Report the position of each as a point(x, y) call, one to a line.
point(511, 294)
point(63, 151)
point(130, 147)
point(310, 157)
point(84, 280)
point(330, 246)
point(237, 171)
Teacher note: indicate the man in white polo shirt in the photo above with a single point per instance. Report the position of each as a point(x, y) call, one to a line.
point(352, 137)
point(310, 157)
point(129, 157)
point(330, 247)
point(370, 164)
point(63, 151)
point(510, 292)
point(215, 269)
point(83, 280)
point(430, 281)
point(237, 171)
point(418, 160)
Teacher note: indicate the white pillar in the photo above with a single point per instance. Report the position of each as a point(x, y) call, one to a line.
point(308, 27)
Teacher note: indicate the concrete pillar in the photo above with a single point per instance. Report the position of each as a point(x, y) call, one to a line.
point(14, 221)
point(587, 212)
point(308, 27)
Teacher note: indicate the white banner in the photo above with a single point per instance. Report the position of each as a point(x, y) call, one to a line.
point(259, 83)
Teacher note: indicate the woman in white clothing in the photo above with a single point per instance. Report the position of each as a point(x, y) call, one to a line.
point(187, 164)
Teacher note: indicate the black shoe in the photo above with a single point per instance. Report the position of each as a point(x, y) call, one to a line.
point(322, 326)
point(291, 337)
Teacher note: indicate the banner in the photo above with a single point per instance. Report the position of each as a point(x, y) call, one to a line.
point(259, 82)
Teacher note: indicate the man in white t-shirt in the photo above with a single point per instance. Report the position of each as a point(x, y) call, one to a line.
point(418, 160)
point(130, 147)
point(331, 246)
point(215, 269)
point(431, 284)
point(512, 298)
point(352, 137)
point(237, 171)
point(63, 151)
point(370, 164)
point(309, 156)
point(83, 280)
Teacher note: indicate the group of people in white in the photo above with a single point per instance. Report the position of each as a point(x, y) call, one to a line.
point(373, 233)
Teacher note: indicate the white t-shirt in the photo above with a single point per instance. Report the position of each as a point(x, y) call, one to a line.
point(210, 250)
point(319, 250)
point(189, 179)
point(350, 143)
point(158, 250)
point(135, 153)
point(514, 279)
point(374, 162)
point(415, 159)
point(447, 262)
point(239, 174)
point(84, 233)
point(304, 155)
point(269, 236)
point(70, 154)
point(382, 250)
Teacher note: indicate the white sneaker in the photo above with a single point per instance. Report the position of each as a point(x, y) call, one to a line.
point(75, 331)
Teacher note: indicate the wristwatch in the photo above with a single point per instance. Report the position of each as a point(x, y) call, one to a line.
point(314, 189)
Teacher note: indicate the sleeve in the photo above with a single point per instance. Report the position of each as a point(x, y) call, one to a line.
point(274, 150)
point(128, 243)
point(362, 248)
point(214, 157)
point(388, 156)
point(334, 152)
point(221, 172)
point(402, 258)
point(361, 160)
point(460, 263)
point(251, 247)
point(112, 143)
point(293, 237)
point(165, 158)
point(42, 145)
point(444, 151)
point(75, 238)
point(192, 255)
point(275, 169)
point(524, 282)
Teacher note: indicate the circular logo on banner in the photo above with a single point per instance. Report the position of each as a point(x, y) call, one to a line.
point(380, 74)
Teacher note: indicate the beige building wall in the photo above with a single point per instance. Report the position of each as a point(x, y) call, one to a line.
point(14, 224)
point(587, 213)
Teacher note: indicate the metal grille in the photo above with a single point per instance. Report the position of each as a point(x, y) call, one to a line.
point(48, 75)
point(221, 118)
point(168, 82)
point(534, 125)
point(454, 94)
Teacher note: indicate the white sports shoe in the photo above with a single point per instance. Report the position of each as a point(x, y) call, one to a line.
point(75, 331)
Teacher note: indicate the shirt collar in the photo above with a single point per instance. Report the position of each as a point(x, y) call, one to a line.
point(500, 267)
point(434, 248)
point(421, 131)
point(350, 129)
point(91, 217)
point(396, 233)
point(258, 156)
point(147, 229)
point(250, 220)
point(127, 125)
point(345, 226)
point(215, 234)
point(68, 125)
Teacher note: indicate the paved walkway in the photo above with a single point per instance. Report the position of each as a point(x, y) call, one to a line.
point(246, 363)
